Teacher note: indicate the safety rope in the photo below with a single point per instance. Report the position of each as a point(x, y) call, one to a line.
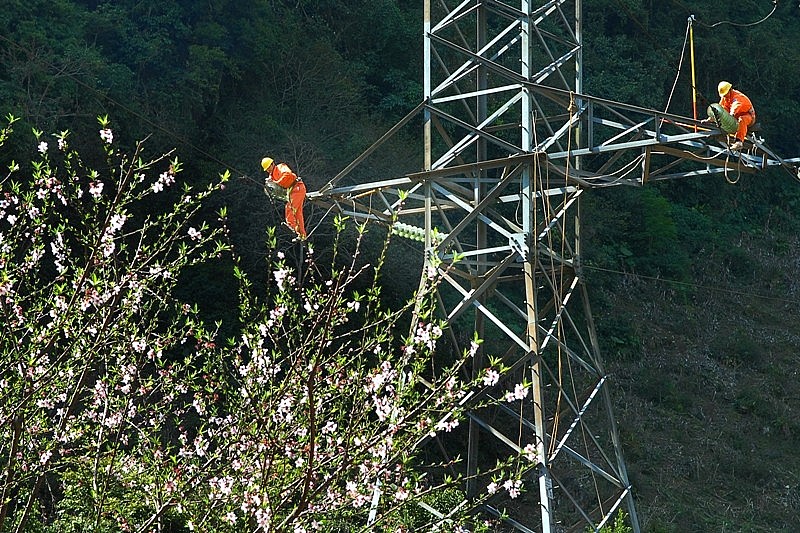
point(739, 170)
point(562, 334)
point(680, 65)
point(572, 108)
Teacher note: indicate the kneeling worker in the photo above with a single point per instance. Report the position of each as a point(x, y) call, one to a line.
point(283, 176)
point(739, 106)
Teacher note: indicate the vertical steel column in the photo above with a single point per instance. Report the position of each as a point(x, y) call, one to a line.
point(578, 74)
point(427, 131)
point(479, 190)
point(426, 32)
point(529, 224)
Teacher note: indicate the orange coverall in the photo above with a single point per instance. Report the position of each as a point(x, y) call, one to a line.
point(296, 194)
point(740, 107)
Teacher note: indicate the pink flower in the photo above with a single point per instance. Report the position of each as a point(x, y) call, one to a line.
point(491, 377)
point(519, 393)
point(165, 179)
point(401, 494)
point(530, 453)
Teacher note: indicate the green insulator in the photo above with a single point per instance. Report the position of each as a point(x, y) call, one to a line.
point(724, 120)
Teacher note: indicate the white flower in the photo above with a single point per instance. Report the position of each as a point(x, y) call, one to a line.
point(530, 453)
point(165, 179)
point(42, 147)
point(107, 135)
point(491, 377)
point(447, 426)
point(519, 393)
point(194, 234)
point(513, 487)
point(96, 188)
point(116, 223)
point(283, 278)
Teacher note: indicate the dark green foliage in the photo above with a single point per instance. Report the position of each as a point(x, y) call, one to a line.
point(619, 525)
point(663, 391)
point(620, 341)
point(737, 348)
point(645, 237)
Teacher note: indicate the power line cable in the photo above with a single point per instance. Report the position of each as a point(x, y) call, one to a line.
point(732, 23)
point(693, 285)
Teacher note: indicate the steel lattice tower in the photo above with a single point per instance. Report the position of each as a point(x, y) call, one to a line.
point(510, 144)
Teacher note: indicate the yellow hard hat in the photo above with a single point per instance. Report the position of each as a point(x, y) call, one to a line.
point(723, 88)
point(266, 162)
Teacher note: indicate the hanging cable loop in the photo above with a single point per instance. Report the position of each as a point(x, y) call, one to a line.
point(744, 24)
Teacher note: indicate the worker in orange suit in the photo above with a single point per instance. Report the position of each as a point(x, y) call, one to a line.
point(739, 106)
point(295, 190)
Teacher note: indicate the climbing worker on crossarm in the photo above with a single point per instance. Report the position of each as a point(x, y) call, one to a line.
point(739, 106)
point(295, 190)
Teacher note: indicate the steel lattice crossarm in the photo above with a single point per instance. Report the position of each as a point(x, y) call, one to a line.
point(510, 143)
point(624, 144)
point(627, 144)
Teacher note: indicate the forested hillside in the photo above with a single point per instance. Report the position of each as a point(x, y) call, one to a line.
point(696, 283)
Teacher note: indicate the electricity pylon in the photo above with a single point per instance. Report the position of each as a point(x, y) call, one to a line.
point(510, 144)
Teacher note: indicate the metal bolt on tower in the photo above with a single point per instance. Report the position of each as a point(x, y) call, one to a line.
point(510, 144)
